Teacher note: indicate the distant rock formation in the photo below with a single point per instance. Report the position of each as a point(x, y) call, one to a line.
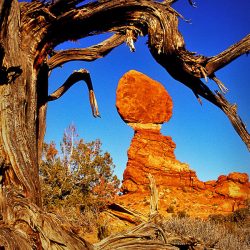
point(144, 104)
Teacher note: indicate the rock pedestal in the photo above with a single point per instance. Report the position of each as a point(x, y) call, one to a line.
point(144, 104)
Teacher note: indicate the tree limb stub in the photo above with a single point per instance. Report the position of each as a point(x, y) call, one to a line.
point(153, 196)
point(77, 76)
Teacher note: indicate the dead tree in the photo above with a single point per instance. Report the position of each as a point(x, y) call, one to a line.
point(29, 32)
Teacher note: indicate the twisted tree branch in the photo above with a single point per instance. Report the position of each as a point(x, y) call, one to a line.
point(77, 76)
point(87, 54)
point(231, 112)
point(62, 6)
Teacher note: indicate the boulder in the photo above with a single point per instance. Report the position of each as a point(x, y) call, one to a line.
point(142, 100)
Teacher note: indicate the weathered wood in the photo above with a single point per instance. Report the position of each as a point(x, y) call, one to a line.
point(153, 196)
point(147, 235)
point(88, 54)
point(123, 213)
point(77, 76)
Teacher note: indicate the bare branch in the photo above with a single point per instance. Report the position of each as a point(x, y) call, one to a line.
point(204, 67)
point(168, 48)
point(181, 74)
point(77, 76)
point(221, 60)
point(231, 113)
point(221, 86)
point(130, 38)
point(87, 54)
point(105, 16)
point(145, 236)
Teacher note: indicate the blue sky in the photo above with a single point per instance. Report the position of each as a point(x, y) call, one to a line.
point(204, 136)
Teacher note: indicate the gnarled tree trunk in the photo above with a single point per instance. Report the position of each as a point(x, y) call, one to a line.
point(23, 97)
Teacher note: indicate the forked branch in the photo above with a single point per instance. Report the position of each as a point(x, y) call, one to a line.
point(75, 77)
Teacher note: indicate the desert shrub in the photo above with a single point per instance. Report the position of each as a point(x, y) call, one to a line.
point(210, 233)
point(170, 209)
point(217, 218)
point(181, 214)
point(240, 215)
point(77, 182)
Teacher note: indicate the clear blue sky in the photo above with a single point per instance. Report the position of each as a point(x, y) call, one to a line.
point(204, 136)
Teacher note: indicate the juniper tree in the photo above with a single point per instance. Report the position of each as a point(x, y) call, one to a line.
point(78, 177)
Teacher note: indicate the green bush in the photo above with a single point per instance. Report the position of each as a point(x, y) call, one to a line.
point(77, 182)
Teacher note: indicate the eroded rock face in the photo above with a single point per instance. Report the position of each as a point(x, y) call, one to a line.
point(151, 152)
point(235, 185)
point(144, 104)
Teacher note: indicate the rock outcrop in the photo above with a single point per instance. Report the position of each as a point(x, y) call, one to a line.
point(144, 104)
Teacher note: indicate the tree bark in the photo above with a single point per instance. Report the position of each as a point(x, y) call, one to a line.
point(23, 94)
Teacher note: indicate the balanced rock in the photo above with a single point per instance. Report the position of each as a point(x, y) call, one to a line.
point(144, 104)
point(139, 99)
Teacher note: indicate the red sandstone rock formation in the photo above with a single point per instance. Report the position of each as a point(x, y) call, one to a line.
point(142, 100)
point(151, 152)
point(144, 104)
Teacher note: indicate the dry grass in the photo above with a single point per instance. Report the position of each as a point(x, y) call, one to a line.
point(228, 236)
